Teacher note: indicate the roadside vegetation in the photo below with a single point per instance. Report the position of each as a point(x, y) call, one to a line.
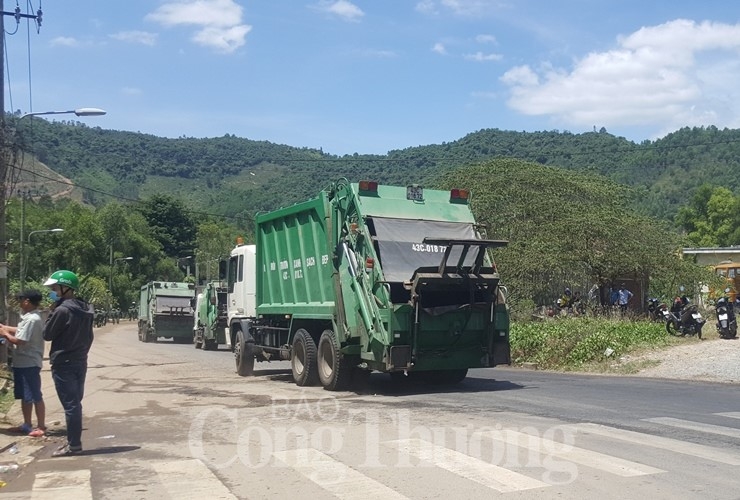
point(6, 392)
point(586, 343)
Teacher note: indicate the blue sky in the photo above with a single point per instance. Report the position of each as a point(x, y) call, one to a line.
point(369, 76)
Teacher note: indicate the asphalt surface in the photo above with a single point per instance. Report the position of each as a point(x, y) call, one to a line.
point(167, 421)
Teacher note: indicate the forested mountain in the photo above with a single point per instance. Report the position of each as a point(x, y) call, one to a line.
point(237, 177)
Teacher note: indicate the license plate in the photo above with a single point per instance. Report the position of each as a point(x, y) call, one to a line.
point(696, 316)
point(722, 317)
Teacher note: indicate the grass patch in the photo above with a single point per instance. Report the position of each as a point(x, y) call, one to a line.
point(585, 344)
point(6, 394)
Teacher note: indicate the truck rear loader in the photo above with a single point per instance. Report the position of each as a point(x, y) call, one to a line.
point(210, 317)
point(166, 310)
point(368, 277)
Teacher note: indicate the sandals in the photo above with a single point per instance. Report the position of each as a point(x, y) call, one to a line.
point(38, 432)
point(21, 429)
point(67, 451)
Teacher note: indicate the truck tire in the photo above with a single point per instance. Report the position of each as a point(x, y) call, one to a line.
point(335, 370)
point(210, 344)
point(244, 355)
point(197, 335)
point(303, 359)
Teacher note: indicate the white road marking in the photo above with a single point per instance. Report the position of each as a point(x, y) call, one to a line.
point(731, 414)
point(334, 476)
point(595, 460)
point(62, 485)
point(190, 479)
point(664, 443)
point(696, 426)
point(487, 474)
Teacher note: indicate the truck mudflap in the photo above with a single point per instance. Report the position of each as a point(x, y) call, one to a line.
point(460, 319)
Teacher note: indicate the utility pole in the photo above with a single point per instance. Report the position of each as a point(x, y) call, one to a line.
point(5, 156)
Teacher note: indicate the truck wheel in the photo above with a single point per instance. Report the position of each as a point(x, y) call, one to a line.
point(303, 359)
point(243, 353)
point(335, 370)
point(197, 335)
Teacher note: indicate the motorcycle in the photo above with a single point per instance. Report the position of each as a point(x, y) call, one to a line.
point(657, 310)
point(686, 321)
point(726, 320)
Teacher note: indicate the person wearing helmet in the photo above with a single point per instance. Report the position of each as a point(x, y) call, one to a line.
point(69, 328)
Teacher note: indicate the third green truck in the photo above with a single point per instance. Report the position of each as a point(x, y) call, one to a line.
point(366, 277)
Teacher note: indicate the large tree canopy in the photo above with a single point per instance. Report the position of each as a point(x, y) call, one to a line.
point(712, 217)
point(171, 224)
point(560, 223)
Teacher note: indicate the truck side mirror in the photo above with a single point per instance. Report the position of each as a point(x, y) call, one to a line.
point(222, 269)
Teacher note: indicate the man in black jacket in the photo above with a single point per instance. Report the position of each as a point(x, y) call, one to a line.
point(69, 328)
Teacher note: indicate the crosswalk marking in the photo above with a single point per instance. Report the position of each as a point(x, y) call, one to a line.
point(731, 414)
point(487, 474)
point(664, 443)
point(67, 485)
point(696, 426)
point(190, 479)
point(334, 476)
point(593, 459)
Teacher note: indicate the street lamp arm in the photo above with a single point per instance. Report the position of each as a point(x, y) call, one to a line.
point(78, 112)
point(55, 230)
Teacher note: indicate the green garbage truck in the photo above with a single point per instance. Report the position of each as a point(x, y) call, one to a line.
point(210, 317)
point(166, 310)
point(367, 277)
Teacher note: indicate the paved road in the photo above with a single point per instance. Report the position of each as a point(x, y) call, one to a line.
point(168, 421)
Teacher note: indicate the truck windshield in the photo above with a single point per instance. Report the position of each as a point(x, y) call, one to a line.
point(401, 249)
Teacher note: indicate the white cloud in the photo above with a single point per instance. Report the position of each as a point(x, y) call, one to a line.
point(341, 8)
point(481, 57)
point(666, 75)
point(65, 41)
point(439, 48)
point(378, 53)
point(427, 7)
point(131, 91)
point(219, 21)
point(465, 8)
point(485, 39)
point(142, 37)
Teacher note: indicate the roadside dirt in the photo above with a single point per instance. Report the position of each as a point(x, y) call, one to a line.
point(713, 360)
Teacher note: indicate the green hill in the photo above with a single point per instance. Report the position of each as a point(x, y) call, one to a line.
point(238, 177)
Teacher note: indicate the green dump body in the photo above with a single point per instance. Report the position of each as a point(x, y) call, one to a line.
point(401, 275)
point(166, 310)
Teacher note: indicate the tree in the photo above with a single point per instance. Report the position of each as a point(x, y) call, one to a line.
point(214, 242)
point(562, 225)
point(171, 224)
point(712, 217)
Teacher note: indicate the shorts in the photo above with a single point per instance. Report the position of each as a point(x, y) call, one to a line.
point(27, 384)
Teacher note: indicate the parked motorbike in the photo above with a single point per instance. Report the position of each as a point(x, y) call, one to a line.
point(684, 321)
point(657, 310)
point(726, 320)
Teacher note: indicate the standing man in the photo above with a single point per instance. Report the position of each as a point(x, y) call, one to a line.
point(28, 340)
point(69, 328)
point(624, 298)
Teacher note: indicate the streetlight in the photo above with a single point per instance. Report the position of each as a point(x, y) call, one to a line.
point(78, 112)
point(4, 167)
point(20, 256)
